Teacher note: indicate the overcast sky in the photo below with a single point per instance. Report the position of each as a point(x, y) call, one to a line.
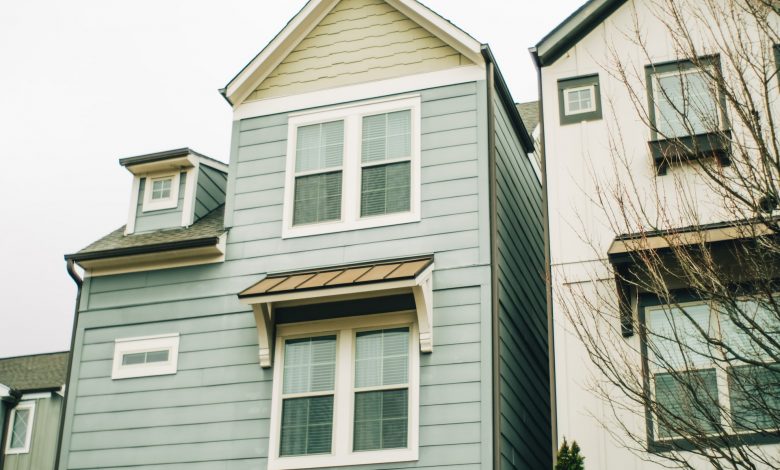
point(85, 82)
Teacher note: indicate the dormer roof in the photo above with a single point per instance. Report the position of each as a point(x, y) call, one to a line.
point(573, 29)
point(259, 68)
point(181, 158)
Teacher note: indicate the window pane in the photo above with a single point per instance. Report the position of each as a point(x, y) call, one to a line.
point(317, 198)
point(19, 434)
point(309, 364)
point(754, 392)
point(161, 189)
point(749, 329)
point(387, 136)
point(579, 100)
point(687, 403)
point(678, 337)
point(382, 358)
point(307, 426)
point(381, 420)
point(132, 359)
point(386, 189)
point(157, 356)
point(685, 101)
point(320, 146)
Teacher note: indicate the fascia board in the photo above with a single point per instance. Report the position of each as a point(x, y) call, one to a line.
point(274, 53)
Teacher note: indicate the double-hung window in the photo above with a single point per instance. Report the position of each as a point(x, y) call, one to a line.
point(20, 427)
point(345, 393)
point(709, 370)
point(353, 167)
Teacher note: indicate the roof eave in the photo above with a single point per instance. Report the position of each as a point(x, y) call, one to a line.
point(143, 249)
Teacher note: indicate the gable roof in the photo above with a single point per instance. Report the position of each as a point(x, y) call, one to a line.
point(35, 373)
point(573, 29)
point(529, 112)
point(239, 88)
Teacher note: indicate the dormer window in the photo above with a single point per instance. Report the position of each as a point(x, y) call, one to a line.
point(353, 167)
point(161, 192)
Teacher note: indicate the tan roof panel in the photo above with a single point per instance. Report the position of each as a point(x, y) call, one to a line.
point(391, 270)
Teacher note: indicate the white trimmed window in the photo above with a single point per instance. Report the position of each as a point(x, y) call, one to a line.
point(145, 356)
point(353, 167)
point(20, 427)
point(580, 100)
point(346, 392)
point(161, 192)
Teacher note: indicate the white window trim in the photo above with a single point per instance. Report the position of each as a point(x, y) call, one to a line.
point(25, 405)
point(567, 111)
point(342, 454)
point(352, 115)
point(170, 202)
point(124, 346)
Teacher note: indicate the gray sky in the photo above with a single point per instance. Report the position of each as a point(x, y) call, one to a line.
point(85, 82)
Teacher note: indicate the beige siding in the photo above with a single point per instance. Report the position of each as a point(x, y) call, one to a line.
point(359, 41)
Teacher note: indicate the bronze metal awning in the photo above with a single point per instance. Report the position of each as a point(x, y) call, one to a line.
point(285, 283)
point(388, 277)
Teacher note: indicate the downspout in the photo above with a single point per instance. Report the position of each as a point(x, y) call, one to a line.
point(13, 399)
point(494, 318)
point(71, 266)
point(548, 265)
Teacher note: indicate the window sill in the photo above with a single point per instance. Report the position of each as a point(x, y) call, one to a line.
point(356, 458)
point(688, 148)
point(339, 226)
point(683, 444)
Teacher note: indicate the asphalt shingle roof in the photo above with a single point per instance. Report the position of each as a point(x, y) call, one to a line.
point(38, 372)
point(529, 112)
point(211, 225)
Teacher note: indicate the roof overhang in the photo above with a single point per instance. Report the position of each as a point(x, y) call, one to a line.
point(259, 68)
point(573, 29)
point(412, 276)
point(176, 159)
point(159, 256)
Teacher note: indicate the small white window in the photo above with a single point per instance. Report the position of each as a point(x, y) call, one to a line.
point(580, 100)
point(346, 392)
point(147, 356)
point(20, 427)
point(161, 192)
point(353, 167)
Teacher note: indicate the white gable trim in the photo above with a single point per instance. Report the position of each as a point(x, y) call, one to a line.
point(310, 16)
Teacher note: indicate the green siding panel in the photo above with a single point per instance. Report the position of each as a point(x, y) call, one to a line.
point(156, 220)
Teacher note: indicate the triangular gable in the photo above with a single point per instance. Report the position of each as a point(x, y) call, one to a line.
point(341, 42)
point(573, 29)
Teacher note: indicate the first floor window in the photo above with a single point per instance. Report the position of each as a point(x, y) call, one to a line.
point(345, 398)
point(709, 371)
point(20, 427)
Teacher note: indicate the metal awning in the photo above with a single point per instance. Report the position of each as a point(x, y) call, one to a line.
point(387, 277)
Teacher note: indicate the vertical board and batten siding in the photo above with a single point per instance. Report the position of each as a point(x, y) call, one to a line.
point(160, 219)
point(43, 447)
point(358, 41)
point(213, 414)
point(211, 190)
point(524, 374)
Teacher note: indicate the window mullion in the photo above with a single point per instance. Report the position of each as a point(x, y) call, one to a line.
point(342, 414)
point(351, 180)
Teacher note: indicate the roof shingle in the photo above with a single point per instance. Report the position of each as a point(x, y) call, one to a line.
point(38, 372)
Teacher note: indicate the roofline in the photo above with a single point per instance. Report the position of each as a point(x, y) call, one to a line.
point(359, 264)
point(143, 249)
point(506, 96)
point(33, 355)
point(569, 32)
point(168, 154)
point(302, 23)
point(690, 229)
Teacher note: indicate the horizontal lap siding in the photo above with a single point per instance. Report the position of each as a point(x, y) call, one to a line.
point(358, 41)
point(214, 412)
point(524, 377)
point(156, 220)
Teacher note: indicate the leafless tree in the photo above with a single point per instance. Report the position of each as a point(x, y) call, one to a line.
point(684, 329)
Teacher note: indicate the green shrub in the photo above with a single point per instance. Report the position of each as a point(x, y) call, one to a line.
point(569, 458)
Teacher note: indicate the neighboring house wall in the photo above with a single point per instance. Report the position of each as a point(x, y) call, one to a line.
point(357, 42)
point(211, 190)
point(215, 410)
point(525, 378)
point(43, 444)
point(159, 219)
point(583, 160)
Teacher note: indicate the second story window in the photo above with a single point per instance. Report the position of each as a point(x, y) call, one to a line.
point(161, 191)
point(145, 356)
point(579, 99)
point(353, 167)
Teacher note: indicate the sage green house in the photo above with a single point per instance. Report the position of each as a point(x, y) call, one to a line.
point(362, 286)
point(31, 391)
